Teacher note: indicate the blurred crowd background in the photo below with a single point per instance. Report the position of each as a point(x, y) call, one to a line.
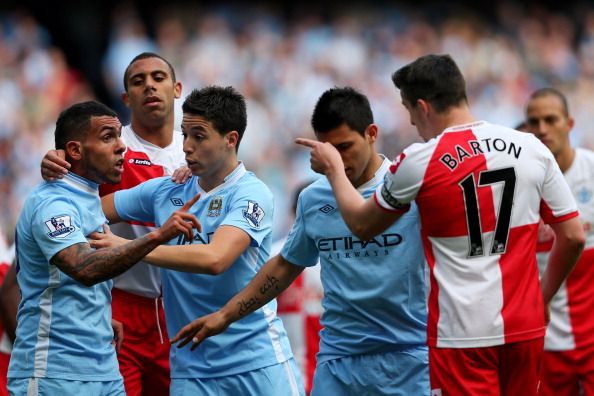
point(281, 57)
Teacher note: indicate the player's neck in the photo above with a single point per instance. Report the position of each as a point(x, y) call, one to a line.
point(78, 168)
point(455, 116)
point(159, 134)
point(374, 164)
point(211, 181)
point(565, 158)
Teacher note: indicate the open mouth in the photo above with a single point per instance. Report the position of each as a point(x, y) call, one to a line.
point(119, 166)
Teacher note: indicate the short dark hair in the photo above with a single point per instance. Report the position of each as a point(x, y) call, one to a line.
point(224, 107)
point(552, 92)
point(73, 123)
point(434, 78)
point(339, 106)
point(146, 55)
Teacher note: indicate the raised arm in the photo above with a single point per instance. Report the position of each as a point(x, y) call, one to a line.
point(90, 266)
point(274, 277)
point(567, 248)
point(364, 217)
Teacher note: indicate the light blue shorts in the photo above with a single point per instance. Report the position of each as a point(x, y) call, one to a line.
point(402, 372)
point(283, 379)
point(62, 387)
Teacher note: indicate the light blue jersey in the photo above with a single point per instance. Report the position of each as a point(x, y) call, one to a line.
point(64, 328)
point(243, 201)
point(374, 292)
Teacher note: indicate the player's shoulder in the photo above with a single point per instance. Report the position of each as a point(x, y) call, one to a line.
point(52, 191)
point(162, 184)
point(316, 188)
point(250, 183)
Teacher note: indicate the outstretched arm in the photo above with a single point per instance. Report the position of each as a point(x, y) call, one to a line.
point(212, 258)
point(364, 218)
point(274, 277)
point(90, 266)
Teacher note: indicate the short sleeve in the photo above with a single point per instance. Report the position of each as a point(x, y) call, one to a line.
point(251, 210)
point(299, 248)
point(55, 226)
point(403, 179)
point(137, 203)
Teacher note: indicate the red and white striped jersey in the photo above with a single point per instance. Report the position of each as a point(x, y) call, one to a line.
point(143, 161)
point(481, 190)
point(572, 324)
point(6, 257)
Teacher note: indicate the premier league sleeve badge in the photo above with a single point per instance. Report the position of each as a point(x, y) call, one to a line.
point(59, 226)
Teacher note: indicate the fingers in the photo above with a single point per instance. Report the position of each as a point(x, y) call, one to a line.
point(193, 220)
point(51, 170)
point(190, 203)
point(306, 142)
point(186, 332)
point(198, 338)
point(181, 175)
point(106, 229)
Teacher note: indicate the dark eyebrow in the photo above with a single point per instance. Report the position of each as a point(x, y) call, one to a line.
point(195, 128)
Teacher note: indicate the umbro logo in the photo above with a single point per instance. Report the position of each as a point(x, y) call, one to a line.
point(177, 202)
point(327, 209)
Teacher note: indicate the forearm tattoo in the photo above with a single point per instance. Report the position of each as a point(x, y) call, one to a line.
point(269, 290)
point(90, 266)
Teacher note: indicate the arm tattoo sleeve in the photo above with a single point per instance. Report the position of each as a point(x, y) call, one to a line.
point(90, 266)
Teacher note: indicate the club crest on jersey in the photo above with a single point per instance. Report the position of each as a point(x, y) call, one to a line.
point(215, 207)
point(177, 202)
point(140, 161)
point(584, 195)
point(253, 214)
point(59, 226)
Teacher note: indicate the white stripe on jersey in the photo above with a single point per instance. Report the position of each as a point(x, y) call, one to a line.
point(45, 320)
point(274, 334)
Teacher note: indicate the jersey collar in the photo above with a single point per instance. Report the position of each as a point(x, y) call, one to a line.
point(80, 183)
point(465, 127)
point(230, 179)
point(378, 176)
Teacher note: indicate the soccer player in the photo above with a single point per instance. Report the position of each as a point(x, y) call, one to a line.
point(373, 339)
point(568, 361)
point(63, 336)
point(154, 149)
point(480, 189)
point(254, 357)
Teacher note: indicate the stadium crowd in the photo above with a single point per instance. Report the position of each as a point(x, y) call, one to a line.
point(283, 65)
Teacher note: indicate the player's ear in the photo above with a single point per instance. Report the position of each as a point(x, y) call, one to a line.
point(423, 105)
point(232, 138)
point(570, 123)
point(126, 99)
point(177, 90)
point(371, 132)
point(74, 150)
